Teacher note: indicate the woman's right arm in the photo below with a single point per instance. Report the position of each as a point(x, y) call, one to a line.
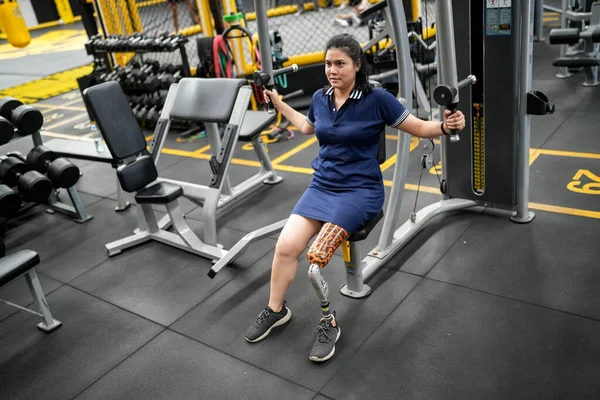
point(296, 118)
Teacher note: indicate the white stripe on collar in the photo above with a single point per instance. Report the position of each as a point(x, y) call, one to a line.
point(355, 94)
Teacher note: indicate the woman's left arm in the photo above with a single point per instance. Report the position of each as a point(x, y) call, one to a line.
point(432, 129)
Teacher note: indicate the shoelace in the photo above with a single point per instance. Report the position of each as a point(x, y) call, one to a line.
point(321, 332)
point(262, 316)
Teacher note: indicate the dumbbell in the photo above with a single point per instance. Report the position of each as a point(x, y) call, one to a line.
point(61, 171)
point(32, 185)
point(10, 201)
point(7, 131)
point(26, 119)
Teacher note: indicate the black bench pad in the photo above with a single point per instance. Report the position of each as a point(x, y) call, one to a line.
point(254, 123)
point(159, 193)
point(17, 264)
point(578, 60)
point(364, 232)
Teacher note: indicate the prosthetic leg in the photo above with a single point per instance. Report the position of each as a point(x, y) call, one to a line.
point(328, 332)
point(330, 237)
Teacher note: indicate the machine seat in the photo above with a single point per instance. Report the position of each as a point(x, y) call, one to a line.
point(17, 264)
point(254, 123)
point(578, 60)
point(366, 229)
point(159, 193)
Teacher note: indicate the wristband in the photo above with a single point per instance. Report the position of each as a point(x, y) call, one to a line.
point(443, 131)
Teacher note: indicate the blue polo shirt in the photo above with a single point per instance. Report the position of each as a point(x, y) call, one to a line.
point(349, 137)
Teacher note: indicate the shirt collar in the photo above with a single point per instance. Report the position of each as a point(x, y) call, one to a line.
point(355, 94)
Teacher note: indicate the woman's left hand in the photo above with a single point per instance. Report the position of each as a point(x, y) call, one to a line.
point(454, 121)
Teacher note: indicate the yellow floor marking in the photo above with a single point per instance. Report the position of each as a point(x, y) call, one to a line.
point(202, 149)
point(295, 150)
point(565, 210)
point(66, 136)
point(66, 121)
point(575, 154)
point(55, 107)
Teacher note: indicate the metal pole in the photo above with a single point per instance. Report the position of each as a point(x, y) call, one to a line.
point(262, 29)
point(526, 11)
point(399, 33)
point(447, 71)
point(538, 26)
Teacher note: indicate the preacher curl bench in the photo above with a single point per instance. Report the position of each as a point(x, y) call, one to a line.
point(212, 101)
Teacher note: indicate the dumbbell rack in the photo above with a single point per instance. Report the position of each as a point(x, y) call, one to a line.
point(77, 209)
point(28, 120)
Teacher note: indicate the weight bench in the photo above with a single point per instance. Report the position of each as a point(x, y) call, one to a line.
point(137, 173)
point(586, 59)
point(23, 262)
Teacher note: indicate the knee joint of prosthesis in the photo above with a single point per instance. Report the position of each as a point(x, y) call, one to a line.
point(320, 253)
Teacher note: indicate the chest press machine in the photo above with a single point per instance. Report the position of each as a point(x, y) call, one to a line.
point(488, 170)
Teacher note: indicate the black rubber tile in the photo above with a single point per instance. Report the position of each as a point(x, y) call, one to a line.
point(93, 339)
point(565, 181)
point(98, 179)
point(447, 342)
point(546, 262)
point(56, 239)
point(543, 126)
point(34, 220)
point(221, 321)
point(578, 133)
point(18, 292)
point(162, 283)
point(175, 367)
point(422, 253)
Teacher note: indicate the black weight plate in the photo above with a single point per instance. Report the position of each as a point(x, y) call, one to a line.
point(27, 120)
point(35, 187)
point(10, 170)
point(7, 131)
point(7, 106)
point(63, 173)
point(10, 202)
point(39, 156)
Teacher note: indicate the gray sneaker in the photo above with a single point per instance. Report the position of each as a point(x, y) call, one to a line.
point(326, 336)
point(266, 321)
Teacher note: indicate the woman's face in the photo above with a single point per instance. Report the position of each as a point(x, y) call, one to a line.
point(340, 69)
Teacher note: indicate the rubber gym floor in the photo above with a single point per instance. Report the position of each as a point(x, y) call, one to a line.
point(475, 307)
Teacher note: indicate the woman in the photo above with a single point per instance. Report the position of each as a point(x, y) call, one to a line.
point(346, 189)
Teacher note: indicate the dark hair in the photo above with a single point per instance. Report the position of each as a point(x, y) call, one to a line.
point(349, 45)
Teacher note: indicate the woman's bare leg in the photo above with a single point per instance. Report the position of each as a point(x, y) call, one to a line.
point(293, 240)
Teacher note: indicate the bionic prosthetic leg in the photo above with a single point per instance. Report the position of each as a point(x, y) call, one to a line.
point(330, 237)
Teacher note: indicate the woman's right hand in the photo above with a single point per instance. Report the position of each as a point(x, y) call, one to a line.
point(272, 96)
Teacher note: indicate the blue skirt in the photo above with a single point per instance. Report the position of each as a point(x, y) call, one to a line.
point(347, 208)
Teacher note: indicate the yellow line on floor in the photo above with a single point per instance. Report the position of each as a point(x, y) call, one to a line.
point(202, 149)
point(295, 150)
point(66, 121)
point(575, 154)
point(55, 107)
point(565, 210)
point(66, 136)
